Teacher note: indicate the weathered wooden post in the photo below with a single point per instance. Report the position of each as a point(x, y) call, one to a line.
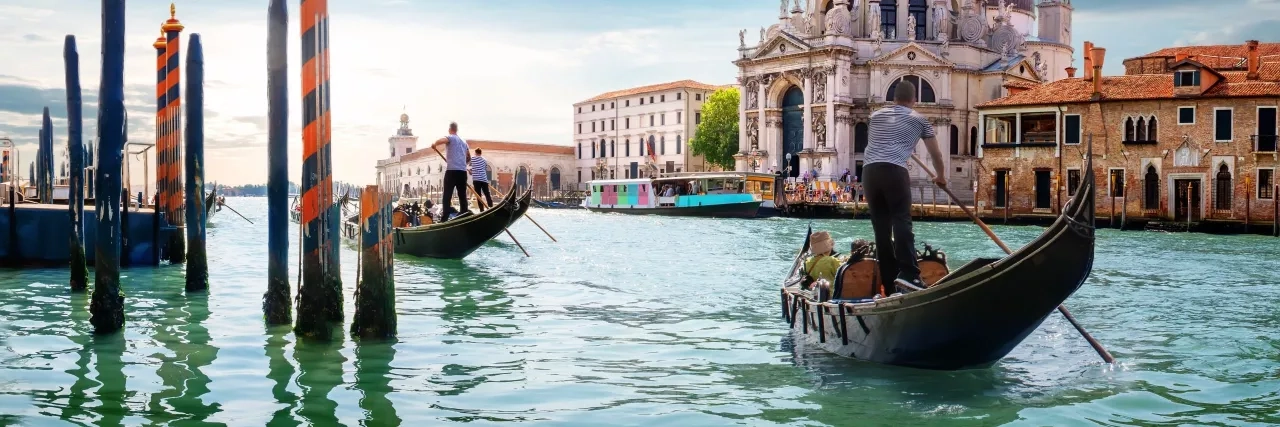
point(276, 304)
point(320, 294)
point(107, 307)
point(197, 263)
point(46, 158)
point(75, 190)
point(375, 287)
point(173, 145)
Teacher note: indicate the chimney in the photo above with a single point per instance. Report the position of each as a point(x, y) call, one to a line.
point(1098, 55)
point(1253, 59)
point(1071, 72)
point(1179, 57)
point(1088, 60)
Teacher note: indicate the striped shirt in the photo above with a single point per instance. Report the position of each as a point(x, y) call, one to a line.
point(479, 169)
point(893, 134)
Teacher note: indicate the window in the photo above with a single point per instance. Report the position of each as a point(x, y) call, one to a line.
point(1266, 183)
point(603, 153)
point(1152, 129)
point(1117, 183)
point(1186, 115)
point(650, 120)
point(1130, 130)
point(579, 110)
point(973, 141)
point(1186, 78)
point(1073, 181)
point(1044, 190)
point(1142, 129)
point(1071, 129)
point(999, 129)
point(860, 137)
point(627, 123)
point(650, 99)
point(918, 8)
point(924, 91)
point(1222, 188)
point(955, 140)
point(1002, 188)
point(640, 143)
point(677, 144)
point(579, 154)
point(593, 126)
point(611, 105)
point(579, 127)
point(679, 95)
point(613, 147)
point(662, 98)
point(697, 117)
point(889, 20)
point(1222, 125)
point(642, 100)
point(678, 118)
point(610, 124)
point(663, 119)
point(662, 145)
point(1151, 189)
point(697, 97)
point(593, 108)
point(593, 149)
point(627, 146)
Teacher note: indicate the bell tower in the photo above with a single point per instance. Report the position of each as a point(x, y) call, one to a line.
point(1055, 21)
point(404, 142)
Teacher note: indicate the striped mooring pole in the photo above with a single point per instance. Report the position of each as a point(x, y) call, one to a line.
point(375, 288)
point(171, 154)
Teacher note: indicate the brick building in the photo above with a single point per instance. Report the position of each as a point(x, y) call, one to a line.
point(1185, 132)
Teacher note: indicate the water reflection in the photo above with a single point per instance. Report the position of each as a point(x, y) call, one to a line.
point(472, 294)
point(320, 370)
point(113, 392)
point(373, 380)
point(280, 371)
point(180, 329)
point(82, 338)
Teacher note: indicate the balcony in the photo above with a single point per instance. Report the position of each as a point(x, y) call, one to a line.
point(1264, 143)
point(1139, 142)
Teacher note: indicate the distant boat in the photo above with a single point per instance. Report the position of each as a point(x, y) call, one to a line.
point(708, 195)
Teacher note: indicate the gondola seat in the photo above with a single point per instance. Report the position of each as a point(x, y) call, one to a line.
point(856, 279)
point(931, 271)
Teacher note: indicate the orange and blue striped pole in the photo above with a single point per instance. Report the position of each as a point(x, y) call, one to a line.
point(375, 288)
point(162, 88)
point(320, 293)
point(172, 194)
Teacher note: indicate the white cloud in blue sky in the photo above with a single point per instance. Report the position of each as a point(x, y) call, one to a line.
point(503, 70)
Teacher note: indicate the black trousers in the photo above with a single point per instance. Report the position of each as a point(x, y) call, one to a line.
point(888, 190)
point(483, 188)
point(454, 180)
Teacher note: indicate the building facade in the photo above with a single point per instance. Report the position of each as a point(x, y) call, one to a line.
point(639, 132)
point(813, 79)
point(1186, 134)
point(542, 168)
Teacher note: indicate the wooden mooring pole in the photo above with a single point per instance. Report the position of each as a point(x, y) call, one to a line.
point(375, 289)
point(107, 306)
point(276, 303)
point(46, 160)
point(197, 261)
point(320, 293)
point(75, 146)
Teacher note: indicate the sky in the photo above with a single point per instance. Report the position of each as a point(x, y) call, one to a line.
point(505, 71)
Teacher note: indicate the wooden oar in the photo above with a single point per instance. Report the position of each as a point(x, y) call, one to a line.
point(1106, 355)
point(237, 213)
point(526, 215)
point(480, 203)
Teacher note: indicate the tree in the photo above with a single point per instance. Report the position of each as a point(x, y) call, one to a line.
point(717, 137)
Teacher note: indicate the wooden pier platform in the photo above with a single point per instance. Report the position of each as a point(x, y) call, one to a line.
point(44, 235)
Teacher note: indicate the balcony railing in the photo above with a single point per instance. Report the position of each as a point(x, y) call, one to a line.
point(1265, 143)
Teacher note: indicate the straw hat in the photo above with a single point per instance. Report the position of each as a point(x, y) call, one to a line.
point(820, 243)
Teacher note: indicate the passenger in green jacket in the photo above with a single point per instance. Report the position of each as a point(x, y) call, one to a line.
point(821, 266)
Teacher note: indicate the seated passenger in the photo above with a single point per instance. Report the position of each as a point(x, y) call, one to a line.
point(822, 265)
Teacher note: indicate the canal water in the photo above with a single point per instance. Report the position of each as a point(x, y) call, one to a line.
point(640, 321)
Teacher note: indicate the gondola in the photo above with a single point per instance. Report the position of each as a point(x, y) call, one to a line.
point(211, 205)
point(967, 319)
point(458, 237)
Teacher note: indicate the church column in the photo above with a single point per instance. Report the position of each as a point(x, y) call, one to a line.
point(807, 84)
point(765, 139)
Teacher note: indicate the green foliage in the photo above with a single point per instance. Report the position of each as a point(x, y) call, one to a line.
point(717, 137)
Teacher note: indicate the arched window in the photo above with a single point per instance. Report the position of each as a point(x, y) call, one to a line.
point(579, 150)
point(613, 147)
point(955, 140)
point(593, 149)
point(924, 91)
point(1141, 129)
point(603, 153)
point(918, 8)
point(626, 144)
point(973, 141)
point(555, 178)
point(1151, 194)
point(677, 144)
point(859, 137)
point(662, 145)
point(1222, 188)
point(889, 19)
point(1129, 130)
point(522, 177)
point(1151, 130)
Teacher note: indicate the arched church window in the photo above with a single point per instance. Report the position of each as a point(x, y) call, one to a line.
point(1151, 130)
point(1130, 132)
point(924, 91)
point(955, 140)
point(918, 9)
point(1222, 190)
point(889, 19)
point(1141, 129)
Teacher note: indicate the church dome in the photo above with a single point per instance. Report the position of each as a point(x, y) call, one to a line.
point(1027, 6)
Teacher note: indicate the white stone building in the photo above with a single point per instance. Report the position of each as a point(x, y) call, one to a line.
point(813, 79)
point(543, 168)
point(640, 131)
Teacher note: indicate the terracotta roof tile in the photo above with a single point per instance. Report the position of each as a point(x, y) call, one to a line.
point(1237, 51)
point(1146, 86)
point(522, 147)
point(682, 84)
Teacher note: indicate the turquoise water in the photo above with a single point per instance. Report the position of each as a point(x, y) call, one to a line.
point(633, 320)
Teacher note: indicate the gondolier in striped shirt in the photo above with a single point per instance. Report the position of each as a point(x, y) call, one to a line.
point(893, 134)
point(480, 177)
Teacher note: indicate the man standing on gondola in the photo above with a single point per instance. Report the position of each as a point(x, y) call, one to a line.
point(480, 177)
point(892, 136)
point(457, 155)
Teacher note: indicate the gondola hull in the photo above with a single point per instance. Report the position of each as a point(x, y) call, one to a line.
point(460, 237)
point(970, 319)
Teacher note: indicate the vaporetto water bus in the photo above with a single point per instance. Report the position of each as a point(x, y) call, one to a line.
point(708, 195)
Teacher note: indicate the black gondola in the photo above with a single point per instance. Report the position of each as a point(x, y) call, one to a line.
point(458, 237)
point(972, 317)
point(211, 205)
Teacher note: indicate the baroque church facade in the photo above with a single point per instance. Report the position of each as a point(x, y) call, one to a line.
point(813, 78)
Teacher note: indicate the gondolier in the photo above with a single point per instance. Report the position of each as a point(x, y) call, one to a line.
point(457, 155)
point(892, 136)
point(480, 177)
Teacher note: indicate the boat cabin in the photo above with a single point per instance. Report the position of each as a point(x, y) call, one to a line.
point(669, 192)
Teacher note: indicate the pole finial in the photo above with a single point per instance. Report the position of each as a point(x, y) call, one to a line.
point(173, 10)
